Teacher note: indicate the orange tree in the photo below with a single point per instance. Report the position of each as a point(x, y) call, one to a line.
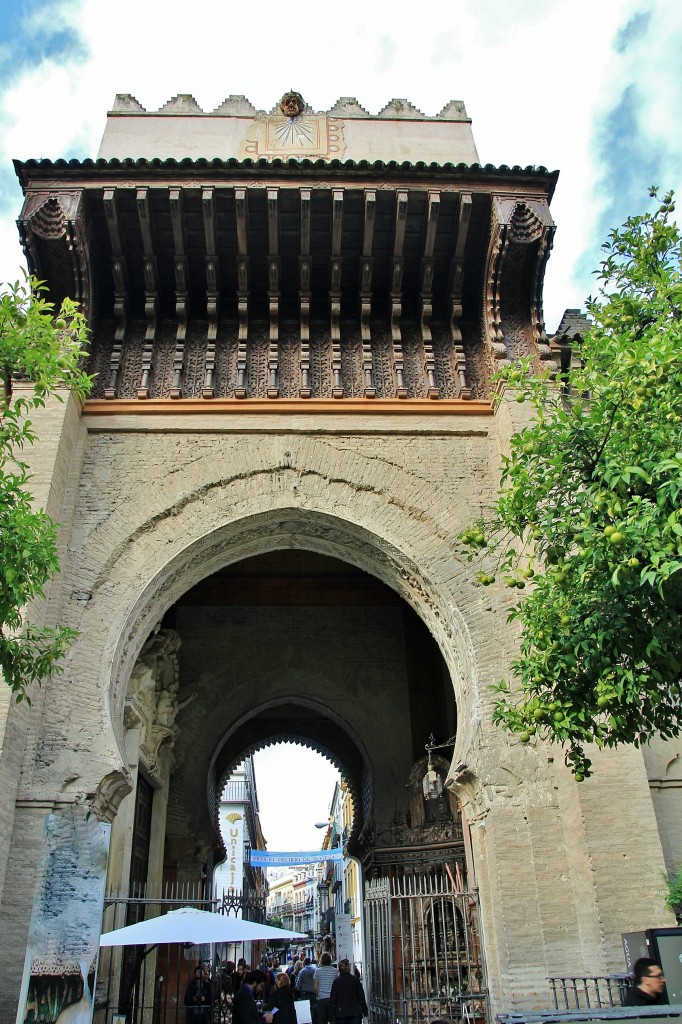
point(587, 525)
point(40, 353)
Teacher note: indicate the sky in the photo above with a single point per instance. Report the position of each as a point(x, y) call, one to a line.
point(295, 787)
point(592, 88)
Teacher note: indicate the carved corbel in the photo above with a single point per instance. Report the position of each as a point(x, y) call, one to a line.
point(109, 795)
point(522, 231)
point(241, 214)
point(456, 287)
point(335, 269)
point(151, 287)
point(273, 291)
point(212, 288)
point(426, 293)
point(59, 220)
point(397, 266)
point(304, 276)
point(120, 276)
point(181, 268)
point(366, 269)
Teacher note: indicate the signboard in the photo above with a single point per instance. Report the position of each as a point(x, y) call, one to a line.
point(344, 937)
point(288, 858)
point(232, 827)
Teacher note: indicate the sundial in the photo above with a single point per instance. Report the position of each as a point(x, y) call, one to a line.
point(294, 131)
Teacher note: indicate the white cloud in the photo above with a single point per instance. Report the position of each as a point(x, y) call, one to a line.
point(537, 78)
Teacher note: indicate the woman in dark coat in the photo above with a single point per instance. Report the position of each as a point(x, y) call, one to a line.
point(282, 999)
point(347, 1003)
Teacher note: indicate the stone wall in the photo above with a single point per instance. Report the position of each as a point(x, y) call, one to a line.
point(153, 504)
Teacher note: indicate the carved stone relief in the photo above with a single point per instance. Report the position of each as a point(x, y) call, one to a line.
point(151, 702)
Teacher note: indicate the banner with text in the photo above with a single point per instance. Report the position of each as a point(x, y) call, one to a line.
point(288, 858)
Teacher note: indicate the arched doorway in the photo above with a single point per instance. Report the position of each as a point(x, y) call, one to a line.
point(301, 645)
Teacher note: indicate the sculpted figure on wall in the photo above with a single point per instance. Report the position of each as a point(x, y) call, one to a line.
point(152, 698)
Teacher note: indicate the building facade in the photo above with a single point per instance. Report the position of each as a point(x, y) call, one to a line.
point(241, 832)
point(295, 319)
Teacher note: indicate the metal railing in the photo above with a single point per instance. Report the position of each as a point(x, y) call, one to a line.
point(591, 991)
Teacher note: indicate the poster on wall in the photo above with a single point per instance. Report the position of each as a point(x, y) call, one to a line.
point(63, 941)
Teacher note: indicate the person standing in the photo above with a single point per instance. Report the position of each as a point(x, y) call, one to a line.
point(198, 998)
point(347, 1003)
point(305, 985)
point(649, 984)
point(244, 1009)
point(325, 975)
point(282, 1000)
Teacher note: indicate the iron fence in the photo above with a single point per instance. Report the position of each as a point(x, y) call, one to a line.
point(594, 991)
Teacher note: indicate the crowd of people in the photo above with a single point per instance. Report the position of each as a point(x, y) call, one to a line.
point(327, 994)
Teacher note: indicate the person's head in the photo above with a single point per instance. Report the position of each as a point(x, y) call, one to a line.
point(306, 962)
point(344, 966)
point(649, 976)
point(229, 967)
point(197, 972)
point(298, 966)
point(326, 960)
point(282, 980)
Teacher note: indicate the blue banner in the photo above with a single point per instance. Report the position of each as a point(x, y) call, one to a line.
point(287, 858)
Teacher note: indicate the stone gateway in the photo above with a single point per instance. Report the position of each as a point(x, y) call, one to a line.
point(295, 320)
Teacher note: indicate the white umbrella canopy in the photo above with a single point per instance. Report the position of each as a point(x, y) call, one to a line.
point(196, 926)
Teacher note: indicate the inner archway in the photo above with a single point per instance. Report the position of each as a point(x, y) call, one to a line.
point(294, 644)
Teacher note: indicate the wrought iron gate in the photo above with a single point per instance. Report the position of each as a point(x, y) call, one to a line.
point(424, 956)
point(148, 987)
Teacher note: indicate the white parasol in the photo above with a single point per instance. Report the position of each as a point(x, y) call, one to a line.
point(195, 926)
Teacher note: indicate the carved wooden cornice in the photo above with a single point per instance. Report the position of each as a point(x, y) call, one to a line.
point(285, 281)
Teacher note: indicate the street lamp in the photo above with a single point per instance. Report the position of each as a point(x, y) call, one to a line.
point(432, 784)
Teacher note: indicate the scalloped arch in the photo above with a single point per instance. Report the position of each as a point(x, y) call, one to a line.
point(307, 744)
